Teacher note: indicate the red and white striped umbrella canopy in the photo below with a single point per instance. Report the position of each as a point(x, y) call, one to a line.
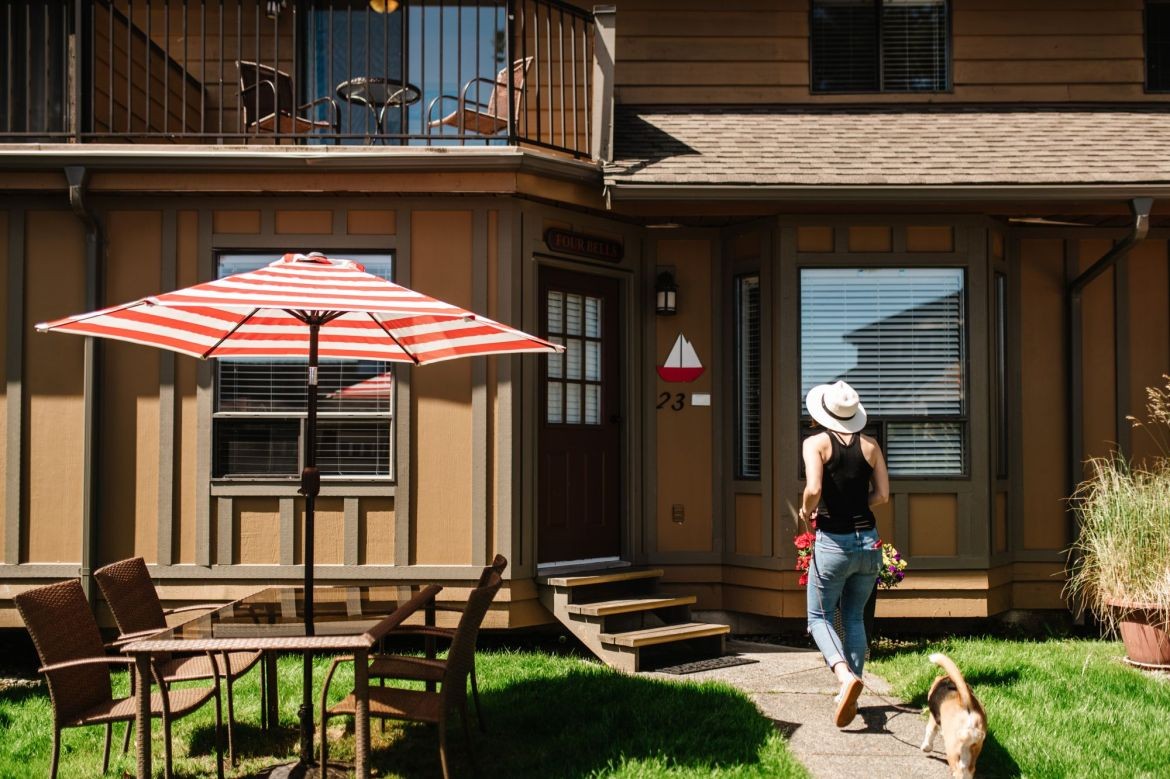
point(263, 313)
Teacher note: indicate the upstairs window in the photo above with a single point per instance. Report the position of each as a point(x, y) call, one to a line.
point(880, 46)
point(1158, 45)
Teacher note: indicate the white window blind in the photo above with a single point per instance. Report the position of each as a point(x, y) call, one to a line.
point(914, 45)
point(879, 45)
point(897, 336)
point(260, 407)
point(747, 354)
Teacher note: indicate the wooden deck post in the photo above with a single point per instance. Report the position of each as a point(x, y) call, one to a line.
point(604, 39)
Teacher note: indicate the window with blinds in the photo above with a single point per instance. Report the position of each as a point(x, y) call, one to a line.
point(747, 357)
point(879, 46)
point(898, 336)
point(1158, 45)
point(260, 407)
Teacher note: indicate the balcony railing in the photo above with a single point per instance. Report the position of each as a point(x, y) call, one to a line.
point(418, 73)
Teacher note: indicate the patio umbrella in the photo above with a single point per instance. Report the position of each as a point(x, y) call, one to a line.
point(306, 306)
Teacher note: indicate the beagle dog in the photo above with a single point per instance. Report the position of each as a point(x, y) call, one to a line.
point(957, 713)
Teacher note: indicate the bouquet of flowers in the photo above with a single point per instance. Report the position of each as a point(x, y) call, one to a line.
point(893, 568)
point(892, 572)
point(804, 550)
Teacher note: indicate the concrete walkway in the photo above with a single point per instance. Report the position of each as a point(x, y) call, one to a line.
point(795, 690)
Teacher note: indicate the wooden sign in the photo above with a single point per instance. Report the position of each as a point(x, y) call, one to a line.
point(584, 245)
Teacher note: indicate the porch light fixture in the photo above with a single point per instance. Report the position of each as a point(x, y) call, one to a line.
point(384, 6)
point(666, 294)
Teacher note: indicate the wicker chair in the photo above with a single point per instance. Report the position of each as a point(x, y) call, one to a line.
point(427, 669)
point(70, 649)
point(423, 705)
point(132, 598)
point(483, 118)
point(266, 95)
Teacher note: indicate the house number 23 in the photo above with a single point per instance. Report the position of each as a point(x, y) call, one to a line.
point(675, 402)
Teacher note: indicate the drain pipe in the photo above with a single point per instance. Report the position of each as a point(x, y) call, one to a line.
point(77, 177)
point(1140, 206)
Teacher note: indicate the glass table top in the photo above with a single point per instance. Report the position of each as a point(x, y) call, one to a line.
point(278, 612)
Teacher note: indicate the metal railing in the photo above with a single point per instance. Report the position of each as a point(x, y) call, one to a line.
point(419, 72)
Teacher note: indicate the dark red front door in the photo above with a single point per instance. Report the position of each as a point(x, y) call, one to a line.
point(579, 493)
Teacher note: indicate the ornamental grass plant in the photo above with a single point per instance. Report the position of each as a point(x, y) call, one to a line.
point(1121, 556)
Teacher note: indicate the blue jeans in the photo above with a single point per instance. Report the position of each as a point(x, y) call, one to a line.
point(844, 569)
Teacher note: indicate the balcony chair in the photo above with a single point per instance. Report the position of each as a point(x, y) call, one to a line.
point(70, 649)
point(427, 669)
point(423, 705)
point(483, 118)
point(266, 95)
point(130, 593)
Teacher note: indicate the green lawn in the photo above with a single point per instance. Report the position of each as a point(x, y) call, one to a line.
point(1057, 708)
point(548, 716)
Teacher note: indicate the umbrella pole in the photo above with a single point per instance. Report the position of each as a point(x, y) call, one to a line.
point(310, 487)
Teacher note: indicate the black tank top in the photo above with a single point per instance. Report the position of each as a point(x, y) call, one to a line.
point(844, 505)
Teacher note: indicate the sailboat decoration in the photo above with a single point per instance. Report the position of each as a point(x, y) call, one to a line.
point(682, 364)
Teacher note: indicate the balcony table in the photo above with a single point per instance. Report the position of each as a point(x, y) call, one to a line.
point(379, 95)
point(273, 620)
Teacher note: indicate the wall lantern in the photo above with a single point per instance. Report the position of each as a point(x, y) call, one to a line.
point(384, 6)
point(666, 294)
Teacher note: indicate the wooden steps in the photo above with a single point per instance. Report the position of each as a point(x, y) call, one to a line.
point(626, 605)
point(623, 619)
point(665, 634)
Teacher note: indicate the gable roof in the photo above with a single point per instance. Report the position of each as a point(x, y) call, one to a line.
point(722, 147)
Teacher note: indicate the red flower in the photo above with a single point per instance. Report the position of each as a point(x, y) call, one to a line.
point(803, 579)
point(802, 562)
point(804, 540)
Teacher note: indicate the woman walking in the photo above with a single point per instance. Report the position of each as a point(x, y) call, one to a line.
point(845, 475)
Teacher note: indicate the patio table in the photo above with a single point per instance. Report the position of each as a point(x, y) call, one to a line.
point(273, 620)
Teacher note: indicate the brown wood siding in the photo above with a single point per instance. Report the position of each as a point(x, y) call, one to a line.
point(684, 445)
point(1149, 331)
point(187, 409)
point(441, 438)
point(124, 57)
point(748, 525)
point(54, 287)
point(129, 441)
point(1099, 367)
point(756, 51)
point(208, 58)
point(1044, 411)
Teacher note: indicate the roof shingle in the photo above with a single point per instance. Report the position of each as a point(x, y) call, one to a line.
point(852, 146)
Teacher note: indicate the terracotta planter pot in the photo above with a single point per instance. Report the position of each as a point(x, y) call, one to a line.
point(1144, 634)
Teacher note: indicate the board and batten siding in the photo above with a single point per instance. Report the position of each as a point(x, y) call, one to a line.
point(215, 540)
point(756, 51)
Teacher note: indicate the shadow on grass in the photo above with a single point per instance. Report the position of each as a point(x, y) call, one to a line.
point(587, 722)
point(250, 740)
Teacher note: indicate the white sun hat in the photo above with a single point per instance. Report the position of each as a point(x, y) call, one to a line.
point(836, 407)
